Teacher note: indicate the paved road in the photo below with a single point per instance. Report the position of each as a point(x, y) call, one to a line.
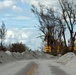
point(28, 69)
point(57, 71)
point(46, 67)
point(41, 67)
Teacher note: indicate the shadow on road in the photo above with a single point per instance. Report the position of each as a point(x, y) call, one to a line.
point(57, 71)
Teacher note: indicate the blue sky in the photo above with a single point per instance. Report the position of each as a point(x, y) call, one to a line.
point(20, 22)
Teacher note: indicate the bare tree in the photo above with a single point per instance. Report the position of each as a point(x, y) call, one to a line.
point(69, 17)
point(61, 33)
point(46, 23)
point(2, 33)
point(49, 25)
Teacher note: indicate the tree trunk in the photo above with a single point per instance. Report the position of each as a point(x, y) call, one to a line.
point(1, 43)
point(64, 39)
point(72, 41)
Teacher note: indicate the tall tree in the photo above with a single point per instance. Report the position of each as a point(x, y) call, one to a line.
point(69, 17)
point(2, 33)
point(49, 25)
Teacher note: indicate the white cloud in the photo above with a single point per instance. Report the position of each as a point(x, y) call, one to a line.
point(13, 41)
point(17, 9)
point(8, 15)
point(12, 4)
point(23, 1)
point(48, 3)
point(10, 34)
point(26, 36)
point(21, 18)
point(23, 41)
point(16, 34)
point(6, 40)
point(45, 2)
point(6, 4)
point(35, 2)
